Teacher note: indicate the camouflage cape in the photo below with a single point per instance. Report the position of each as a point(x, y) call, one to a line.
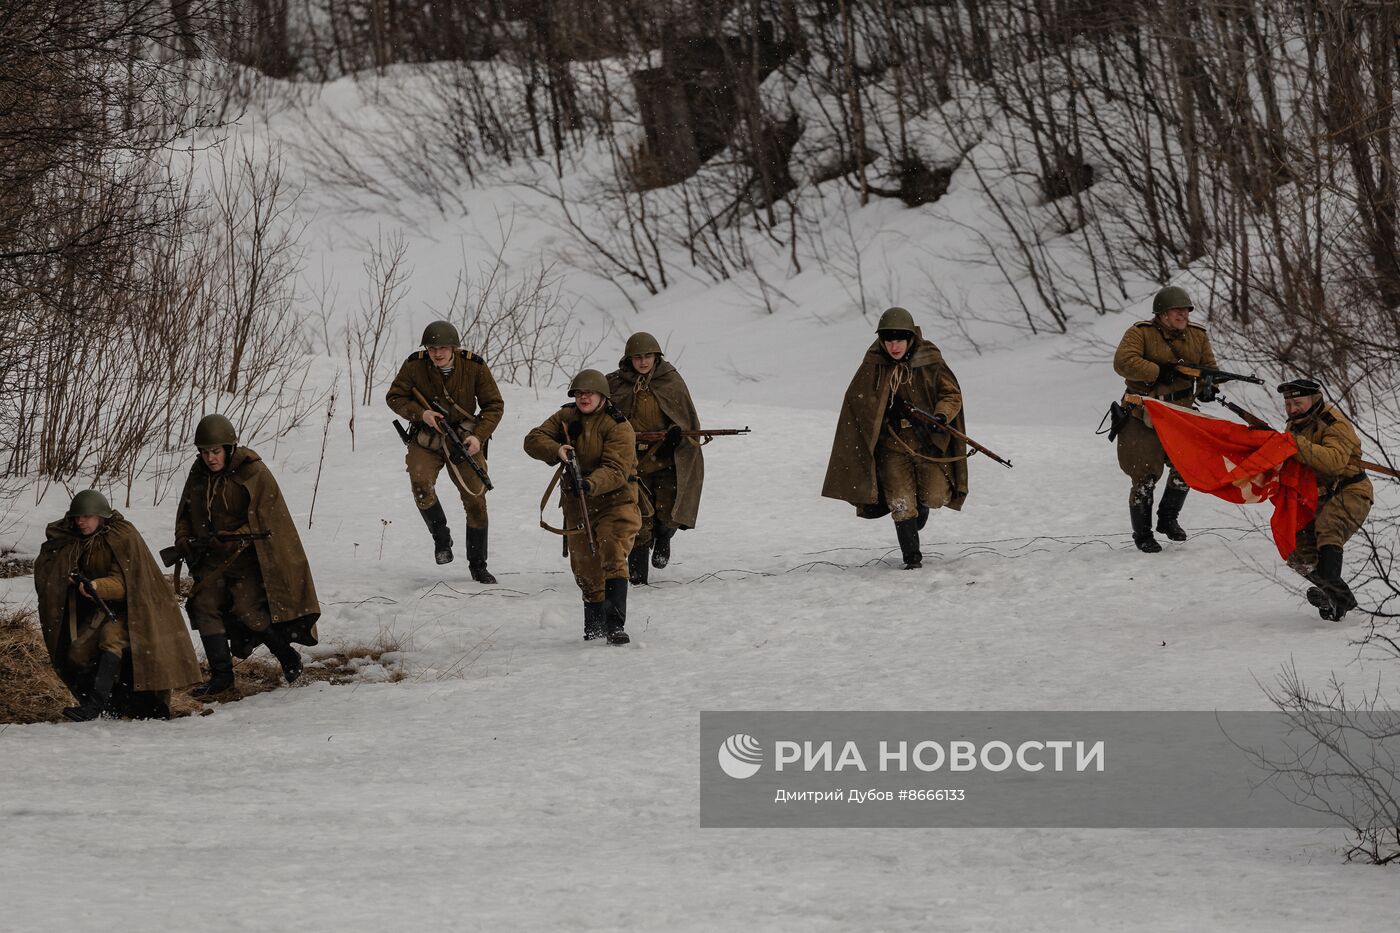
point(291, 593)
point(674, 398)
point(162, 657)
point(851, 474)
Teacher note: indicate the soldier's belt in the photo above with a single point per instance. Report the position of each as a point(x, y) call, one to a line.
point(1332, 490)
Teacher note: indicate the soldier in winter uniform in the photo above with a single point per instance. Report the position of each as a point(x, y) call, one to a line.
point(602, 443)
point(460, 382)
point(1146, 358)
point(1328, 444)
point(252, 582)
point(882, 461)
point(671, 472)
point(110, 621)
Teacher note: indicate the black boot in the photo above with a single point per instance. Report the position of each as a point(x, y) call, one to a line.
point(282, 650)
point(908, 533)
point(1168, 511)
point(1140, 510)
point(637, 564)
point(923, 517)
point(1340, 600)
point(616, 602)
point(108, 666)
point(220, 666)
point(436, 521)
point(661, 545)
point(476, 555)
point(595, 616)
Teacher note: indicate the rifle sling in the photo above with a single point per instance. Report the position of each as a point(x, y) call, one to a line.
point(925, 457)
point(544, 503)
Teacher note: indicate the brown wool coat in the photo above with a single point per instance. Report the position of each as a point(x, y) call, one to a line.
point(606, 450)
point(1147, 346)
point(470, 393)
point(851, 474)
point(162, 657)
point(670, 391)
point(286, 573)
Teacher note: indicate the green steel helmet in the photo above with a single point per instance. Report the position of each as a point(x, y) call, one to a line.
point(214, 431)
point(1173, 296)
point(590, 380)
point(441, 334)
point(640, 343)
point(90, 502)
point(896, 319)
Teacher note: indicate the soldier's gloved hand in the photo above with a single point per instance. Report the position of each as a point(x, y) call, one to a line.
point(940, 419)
point(1208, 393)
point(1166, 372)
point(670, 442)
point(584, 487)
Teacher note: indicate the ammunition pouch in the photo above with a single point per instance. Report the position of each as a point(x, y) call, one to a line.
point(429, 439)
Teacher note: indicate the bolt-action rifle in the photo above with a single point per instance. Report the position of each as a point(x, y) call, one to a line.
point(83, 580)
point(651, 437)
point(170, 555)
point(917, 414)
point(573, 482)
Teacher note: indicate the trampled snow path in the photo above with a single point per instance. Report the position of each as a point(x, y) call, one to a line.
point(523, 780)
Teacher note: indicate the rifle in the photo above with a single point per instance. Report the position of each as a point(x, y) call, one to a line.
point(1210, 379)
point(651, 437)
point(574, 480)
point(456, 444)
point(915, 413)
point(169, 556)
point(84, 580)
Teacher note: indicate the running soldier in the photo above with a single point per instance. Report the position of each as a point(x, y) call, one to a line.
point(601, 517)
point(1146, 359)
point(883, 460)
point(444, 376)
point(671, 472)
point(252, 582)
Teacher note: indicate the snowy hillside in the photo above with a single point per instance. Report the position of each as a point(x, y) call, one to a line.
point(519, 779)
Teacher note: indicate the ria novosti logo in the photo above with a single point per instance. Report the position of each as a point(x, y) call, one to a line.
point(741, 756)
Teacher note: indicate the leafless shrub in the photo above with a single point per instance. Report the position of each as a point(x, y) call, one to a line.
point(368, 332)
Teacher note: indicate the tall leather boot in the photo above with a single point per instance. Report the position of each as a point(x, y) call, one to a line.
point(108, 666)
point(661, 545)
point(908, 533)
point(616, 602)
point(220, 666)
point(282, 650)
point(1168, 510)
point(476, 555)
point(1140, 511)
point(595, 617)
point(1340, 599)
point(436, 521)
point(637, 560)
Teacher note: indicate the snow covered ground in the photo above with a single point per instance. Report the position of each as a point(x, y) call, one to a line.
point(520, 779)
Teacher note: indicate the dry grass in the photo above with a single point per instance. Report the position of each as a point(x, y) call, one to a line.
point(30, 692)
point(29, 689)
point(11, 566)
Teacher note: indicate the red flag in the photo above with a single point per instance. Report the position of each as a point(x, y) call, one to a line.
point(1239, 464)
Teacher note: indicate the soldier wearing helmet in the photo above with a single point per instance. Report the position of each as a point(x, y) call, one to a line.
point(252, 581)
point(1328, 444)
point(670, 472)
point(110, 621)
point(599, 439)
point(458, 380)
point(881, 461)
point(1146, 359)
